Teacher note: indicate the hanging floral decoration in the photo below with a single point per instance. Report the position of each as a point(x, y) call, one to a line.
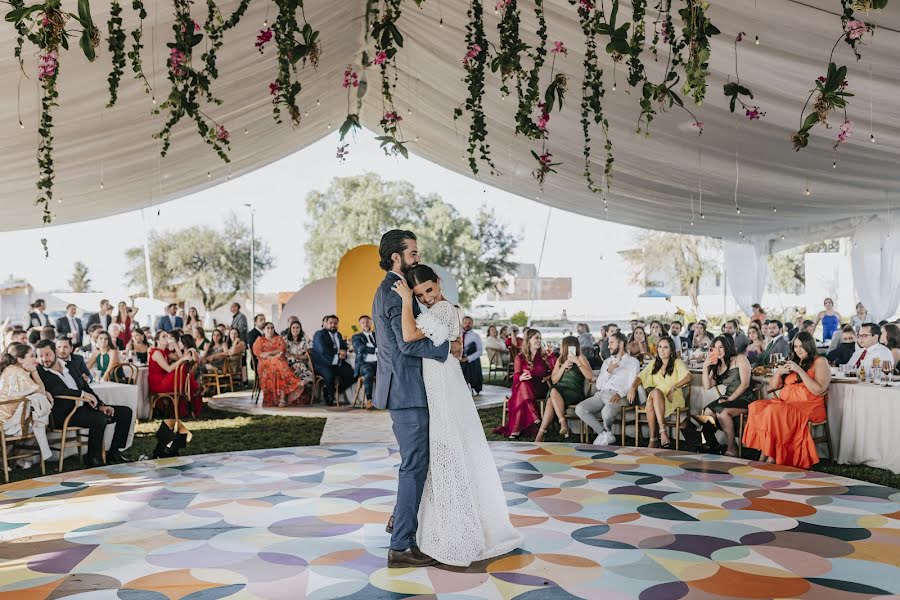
point(475, 63)
point(116, 44)
point(294, 43)
point(734, 89)
point(351, 83)
point(529, 88)
point(215, 27)
point(134, 55)
point(545, 166)
point(507, 60)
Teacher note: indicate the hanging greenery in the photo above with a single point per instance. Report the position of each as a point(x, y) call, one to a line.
point(134, 55)
point(531, 92)
point(116, 44)
point(507, 60)
point(294, 43)
point(734, 89)
point(698, 30)
point(215, 27)
point(474, 62)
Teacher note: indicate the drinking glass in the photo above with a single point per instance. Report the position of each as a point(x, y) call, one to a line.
point(887, 368)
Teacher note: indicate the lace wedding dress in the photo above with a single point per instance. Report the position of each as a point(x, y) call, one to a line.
point(463, 516)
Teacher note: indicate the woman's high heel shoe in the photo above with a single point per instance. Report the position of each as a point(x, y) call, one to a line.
point(540, 436)
point(564, 432)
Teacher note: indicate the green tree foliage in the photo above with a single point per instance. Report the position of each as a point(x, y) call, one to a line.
point(787, 270)
point(358, 210)
point(80, 282)
point(683, 258)
point(199, 262)
point(520, 319)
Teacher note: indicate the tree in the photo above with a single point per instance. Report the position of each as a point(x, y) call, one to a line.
point(200, 262)
point(80, 282)
point(520, 319)
point(787, 270)
point(684, 258)
point(358, 210)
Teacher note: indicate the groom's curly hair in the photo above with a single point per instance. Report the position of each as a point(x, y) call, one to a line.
point(391, 242)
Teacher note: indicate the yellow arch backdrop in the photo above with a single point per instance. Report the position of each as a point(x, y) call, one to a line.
point(358, 277)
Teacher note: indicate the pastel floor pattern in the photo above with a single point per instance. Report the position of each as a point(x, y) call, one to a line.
point(309, 523)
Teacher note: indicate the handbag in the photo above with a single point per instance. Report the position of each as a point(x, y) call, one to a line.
point(171, 437)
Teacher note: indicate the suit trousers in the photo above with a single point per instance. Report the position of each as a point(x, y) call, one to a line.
point(95, 421)
point(411, 431)
point(343, 372)
point(473, 375)
point(367, 372)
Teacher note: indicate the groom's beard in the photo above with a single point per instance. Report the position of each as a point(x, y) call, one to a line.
point(406, 267)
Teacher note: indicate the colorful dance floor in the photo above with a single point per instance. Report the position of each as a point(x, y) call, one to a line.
point(309, 523)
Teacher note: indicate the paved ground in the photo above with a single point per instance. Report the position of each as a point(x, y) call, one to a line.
point(344, 425)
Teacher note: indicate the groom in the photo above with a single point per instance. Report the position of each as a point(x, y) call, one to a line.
point(399, 387)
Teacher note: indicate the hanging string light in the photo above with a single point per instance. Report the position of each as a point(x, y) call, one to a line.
point(871, 130)
point(692, 210)
point(700, 180)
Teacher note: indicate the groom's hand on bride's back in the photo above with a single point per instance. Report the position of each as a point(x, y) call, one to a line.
point(456, 348)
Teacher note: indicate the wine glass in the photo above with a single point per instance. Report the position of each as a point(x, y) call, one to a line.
point(887, 367)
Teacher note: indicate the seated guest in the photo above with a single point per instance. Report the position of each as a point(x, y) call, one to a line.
point(216, 351)
point(92, 414)
point(70, 326)
point(17, 335)
point(532, 369)
point(830, 320)
point(471, 356)
point(90, 344)
point(755, 344)
point(19, 379)
point(259, 322)
point(845, 350)
point(805, 325)
point(366, 349)
point(775, 343)
point(48, 333)
point(115, 332)
point(279, 386)
point(639, 337)
point(236, 346)
point(728, 372)
point(890, 338)
point(514, 339)
point(223, 330)
point(777, 426)
point(329, 356)
point(869, 348)
point(165, 358)
point(662, 379)
point(496, 350)
point(300, 361)
point(170, 321)
point(656, 334)
point(675, 328)
point(199, 335)
point(700, 338)
point(73, 362)
point(138, 345)
point(611, 330)
point(567, 385)
point(616, 375)
point(188, 348)
point(585, 339)
point(104, 355)
point(733, 328)
point(291, 320)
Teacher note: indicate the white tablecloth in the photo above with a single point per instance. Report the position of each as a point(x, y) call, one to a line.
point(143, 385)
point(118, 394)
point(863, 419)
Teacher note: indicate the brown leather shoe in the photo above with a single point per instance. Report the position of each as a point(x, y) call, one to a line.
point(411, 558)
point(390, 525)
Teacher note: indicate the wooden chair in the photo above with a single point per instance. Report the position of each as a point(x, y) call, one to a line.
point(173, 397)
point(81, 434)
point(16, 440)
point(823, 438)
point(122, 373)
point(511, 367)
point(674, 425)
point(495, 363)
point(223, 378)
point(359, 396)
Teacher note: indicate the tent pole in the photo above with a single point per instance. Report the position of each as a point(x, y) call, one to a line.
point(147, 257)
point(540, 262)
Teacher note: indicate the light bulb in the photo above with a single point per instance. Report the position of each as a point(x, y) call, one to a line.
point(153, 99)
point(692, 222)
point(757, 40)
point(246, 131)
point(614, 86)
point(101, 185)
point(738, 210)
point(774, 210)
point(329, 126)
point(306, 114)
point(701, 216)
point(266, 23)
point(59, 200)
point(782, 236)
point(441, 24)
point(807, 192)
point(741, 232)
point(409, 110)
point(318, 102)
point(417, 138)
point(834, 164)
point(208, 175)
point(871, 137)
point(22, 125)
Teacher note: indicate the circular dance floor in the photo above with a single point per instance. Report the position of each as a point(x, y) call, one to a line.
point(309, 523)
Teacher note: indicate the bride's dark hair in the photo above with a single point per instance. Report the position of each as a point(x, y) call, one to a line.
point(420, 274)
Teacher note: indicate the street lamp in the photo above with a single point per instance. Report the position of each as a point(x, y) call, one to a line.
point(252, 262)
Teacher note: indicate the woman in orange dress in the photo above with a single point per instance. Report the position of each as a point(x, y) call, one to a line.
point(279, 385)
point(532, 368)
point(778, 426)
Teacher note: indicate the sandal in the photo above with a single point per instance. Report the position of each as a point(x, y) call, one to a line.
point(540, 434)
point(514, 437)
point(667, 445)
point(653, 443)
point(564, 432)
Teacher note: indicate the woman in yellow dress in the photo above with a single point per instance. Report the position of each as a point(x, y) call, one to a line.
point(662, 379)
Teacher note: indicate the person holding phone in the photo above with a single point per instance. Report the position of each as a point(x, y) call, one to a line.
point(567, 379)
point(729, 373)
point(533, 367)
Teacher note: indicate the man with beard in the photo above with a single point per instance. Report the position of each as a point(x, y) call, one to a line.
point(329, 355)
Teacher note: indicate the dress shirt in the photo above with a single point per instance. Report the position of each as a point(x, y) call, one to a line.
point(470, 337)
point(878, 351)
point(370, 343)
point(337, 348)
point(621, 378)
point(172, 321)
point(65, 376)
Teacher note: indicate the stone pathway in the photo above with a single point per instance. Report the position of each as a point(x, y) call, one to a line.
point(343, 425)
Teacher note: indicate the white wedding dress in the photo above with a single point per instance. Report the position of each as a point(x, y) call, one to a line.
point(463, 516)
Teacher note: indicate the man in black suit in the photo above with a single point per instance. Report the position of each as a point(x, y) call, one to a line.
point(259, 321)
point(90, 342)
point(366, 349)
point(70, 326)
point(92, 414)
point(102, 318)
point(74, 362)
point(329, 354)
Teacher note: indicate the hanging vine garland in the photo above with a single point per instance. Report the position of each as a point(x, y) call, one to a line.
point(215, 27)
point(734, 89)
point(636, 46)
point(134, 55)
point(507, 61)
point(116, 45)
point(294, 44)
point(528, 97)
point(698, 30)
point(474, 62)
point(189, 86)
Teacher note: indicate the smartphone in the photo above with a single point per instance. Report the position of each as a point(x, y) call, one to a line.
point(572, 352)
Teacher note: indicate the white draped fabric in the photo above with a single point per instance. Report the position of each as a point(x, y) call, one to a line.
point(875, 260)
point(747, 266)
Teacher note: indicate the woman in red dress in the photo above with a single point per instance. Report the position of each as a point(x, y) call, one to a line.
point(163, 361)
point(532, 368)
point(279, 385)
point(778, 426)
point(125, 319)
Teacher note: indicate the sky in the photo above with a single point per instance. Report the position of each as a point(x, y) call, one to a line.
point(277, 193)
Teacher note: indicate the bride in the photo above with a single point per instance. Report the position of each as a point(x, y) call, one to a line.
point(463, 516)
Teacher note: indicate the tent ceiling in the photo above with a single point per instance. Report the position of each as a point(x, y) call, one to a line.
point(654, 177)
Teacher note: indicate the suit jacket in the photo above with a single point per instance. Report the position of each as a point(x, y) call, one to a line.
point(362, 350)
point(323, 350)
point(781, 346)
point(252, 336)
point(165, 324)
point(62, 329)
point(239, 322)
point(77, 367)
point(94, 319)
point(57, 387)
point(398, 380)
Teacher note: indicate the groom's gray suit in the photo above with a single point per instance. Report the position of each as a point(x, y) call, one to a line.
point(399, 387)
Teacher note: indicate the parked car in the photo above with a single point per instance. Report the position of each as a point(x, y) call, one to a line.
point(487, 312)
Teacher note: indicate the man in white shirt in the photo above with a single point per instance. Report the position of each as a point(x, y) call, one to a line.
point(70, 326)
point(473, 348)
point(37, 318)
point(616, 376)
point(869, 348)
point(366, 349)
